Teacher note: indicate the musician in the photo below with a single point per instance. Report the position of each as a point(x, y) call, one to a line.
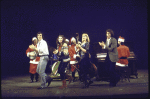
point(33, 62)
point(112, 56)
point(60, 41)
point(42, 49)
point(84, 64)
point(123, 53)
point(73, 54)
point(64, 58)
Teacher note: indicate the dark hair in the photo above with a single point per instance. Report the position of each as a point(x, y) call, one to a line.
point(40, 33)
point(57, 42)
point(110, 31)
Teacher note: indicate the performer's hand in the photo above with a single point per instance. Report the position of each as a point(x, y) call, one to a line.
point(89, 55)
point(32, 46)
point(79, 46)
point(102, 44)
point(78, 55)
point(78, 50)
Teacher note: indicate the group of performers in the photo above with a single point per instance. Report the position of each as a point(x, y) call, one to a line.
point(76, 54)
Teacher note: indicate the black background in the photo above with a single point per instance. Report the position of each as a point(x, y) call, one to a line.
point(22, 19)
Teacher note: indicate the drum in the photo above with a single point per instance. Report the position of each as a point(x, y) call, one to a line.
point(55, 67)
point(32, 55)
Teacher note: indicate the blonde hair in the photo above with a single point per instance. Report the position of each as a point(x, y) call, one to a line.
point(88, 39)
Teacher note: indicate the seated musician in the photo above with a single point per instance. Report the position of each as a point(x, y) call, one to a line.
point(123, 53)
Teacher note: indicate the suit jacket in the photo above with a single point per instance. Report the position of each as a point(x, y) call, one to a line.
point(112, 49)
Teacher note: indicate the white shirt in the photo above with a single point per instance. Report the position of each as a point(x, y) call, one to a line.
point(42, 47)
point(108, 40)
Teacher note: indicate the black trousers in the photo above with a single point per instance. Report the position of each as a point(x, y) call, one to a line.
point(84, 69)
point(110, 67)
point(36, 76)
point(61, 70)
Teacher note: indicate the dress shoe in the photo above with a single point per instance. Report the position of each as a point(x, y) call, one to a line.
point(117, 80)
point(90, 82)
point(37, 80)
point(41, 87)
point(31, 81)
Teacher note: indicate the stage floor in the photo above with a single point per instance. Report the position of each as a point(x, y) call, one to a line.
point(19, 86)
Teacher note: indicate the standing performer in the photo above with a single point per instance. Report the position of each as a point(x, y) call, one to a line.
point(57, 52)
point(33, 62)
point(123, 53)
point(112, 56)
point(85, 62)
point(42, 49)
point(60, 41)
point(64, 58)
point(73, 54)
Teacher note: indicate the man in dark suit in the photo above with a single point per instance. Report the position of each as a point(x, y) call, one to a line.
point(112, 56)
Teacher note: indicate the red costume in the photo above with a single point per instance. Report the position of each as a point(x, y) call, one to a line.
point(33, 63)
point(72, 52)
point(123, 53)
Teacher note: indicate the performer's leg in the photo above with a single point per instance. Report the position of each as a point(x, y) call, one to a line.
point(84, 76)
point(114, 77)
point(41, 70)
point(90, 81)
point(36, 77)
point(73, 75)
point(62, 76)
point(81, 72)
point(68, 77)
point(31, 76)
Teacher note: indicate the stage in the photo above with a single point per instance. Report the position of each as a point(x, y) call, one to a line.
point(19, 86)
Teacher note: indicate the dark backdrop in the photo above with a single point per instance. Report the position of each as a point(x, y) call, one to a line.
point(22, 19)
